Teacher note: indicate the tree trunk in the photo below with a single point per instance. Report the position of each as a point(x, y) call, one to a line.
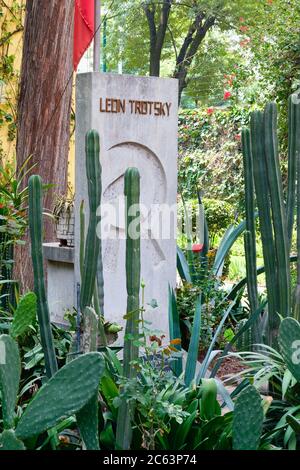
point(45, 104)
point(189, 48)
point(157, 33)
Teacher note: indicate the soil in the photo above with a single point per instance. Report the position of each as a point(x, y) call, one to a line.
point(230, 366)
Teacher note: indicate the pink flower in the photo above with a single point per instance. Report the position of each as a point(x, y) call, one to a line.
point(237, 137)
point(244, 42)
point(227, 95)
point(210, 110)
point(244, 28)
point(197, 247)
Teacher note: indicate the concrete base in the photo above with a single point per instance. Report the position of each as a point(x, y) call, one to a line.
point(60, 274)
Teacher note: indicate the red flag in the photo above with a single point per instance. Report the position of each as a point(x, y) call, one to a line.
point(84, 27)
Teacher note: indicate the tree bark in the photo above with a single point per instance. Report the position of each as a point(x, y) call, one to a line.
point(45, 104)
point(157, 34)
point(189, 48)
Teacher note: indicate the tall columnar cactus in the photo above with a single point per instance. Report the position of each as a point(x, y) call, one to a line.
point(276, 217)
point(36, 227)
point(133, 262)
point(92, 244)
point(293, 160)
point(133, 279)
point(278, 209)
point(294, 174)
point(250, 233)
point(92, 324)
point(265, 219)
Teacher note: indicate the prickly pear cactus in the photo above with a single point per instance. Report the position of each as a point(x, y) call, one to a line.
point(63, 395)
point(10, 372)
point(87, 420)
point(244, 342)
point(8, 441)
point(25, 315)
point(289, 343)
point(248, 417)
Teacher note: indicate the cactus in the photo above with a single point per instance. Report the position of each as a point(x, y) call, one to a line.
point(276, 218)
point(289, 340)
point(278, 208)
point(10, 372)
point(260, 173)
point(92, 244)
point(87, 420)
point(8, 441)
point(249, 235)
point(294, 156)
point(35, 226)
point(244, 341)
point(25, 315)
point(90, 330)
point(133, 274)
point(63, 395)
point(133, 266)
point(248, 417)
point(293, 153)
point(69, 391)
point(92, 318)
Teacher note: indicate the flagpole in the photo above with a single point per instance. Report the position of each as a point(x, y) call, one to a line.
point(97, 37)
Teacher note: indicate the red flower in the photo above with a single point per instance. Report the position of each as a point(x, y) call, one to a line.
point(210, 110)
point(237, 137)
point(227, 95)
point(244, 42)
point(197, 247)
point(244, 28)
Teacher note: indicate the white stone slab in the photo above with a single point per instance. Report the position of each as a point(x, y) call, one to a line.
point(140, 130)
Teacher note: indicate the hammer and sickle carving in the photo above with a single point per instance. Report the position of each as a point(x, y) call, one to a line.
point(153, 192)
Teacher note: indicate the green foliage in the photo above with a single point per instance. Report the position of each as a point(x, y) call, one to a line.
point(248, 419)
point(8, 441)
point(92, 243)
point(13, 222)
point(60, 397)
point(289, 337)
point(192, 356)
point(209, 154)
point(36, 236)
point(10, 371)
point(219, 215)
point(133, 275)
point(245, 341)
point(25, 315)
point(68, 391)
point(276, 221)
point(11, 21)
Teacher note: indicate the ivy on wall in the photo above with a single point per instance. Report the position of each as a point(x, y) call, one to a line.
point(11, 26)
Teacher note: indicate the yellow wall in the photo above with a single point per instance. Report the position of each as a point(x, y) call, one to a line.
point(8, 102)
